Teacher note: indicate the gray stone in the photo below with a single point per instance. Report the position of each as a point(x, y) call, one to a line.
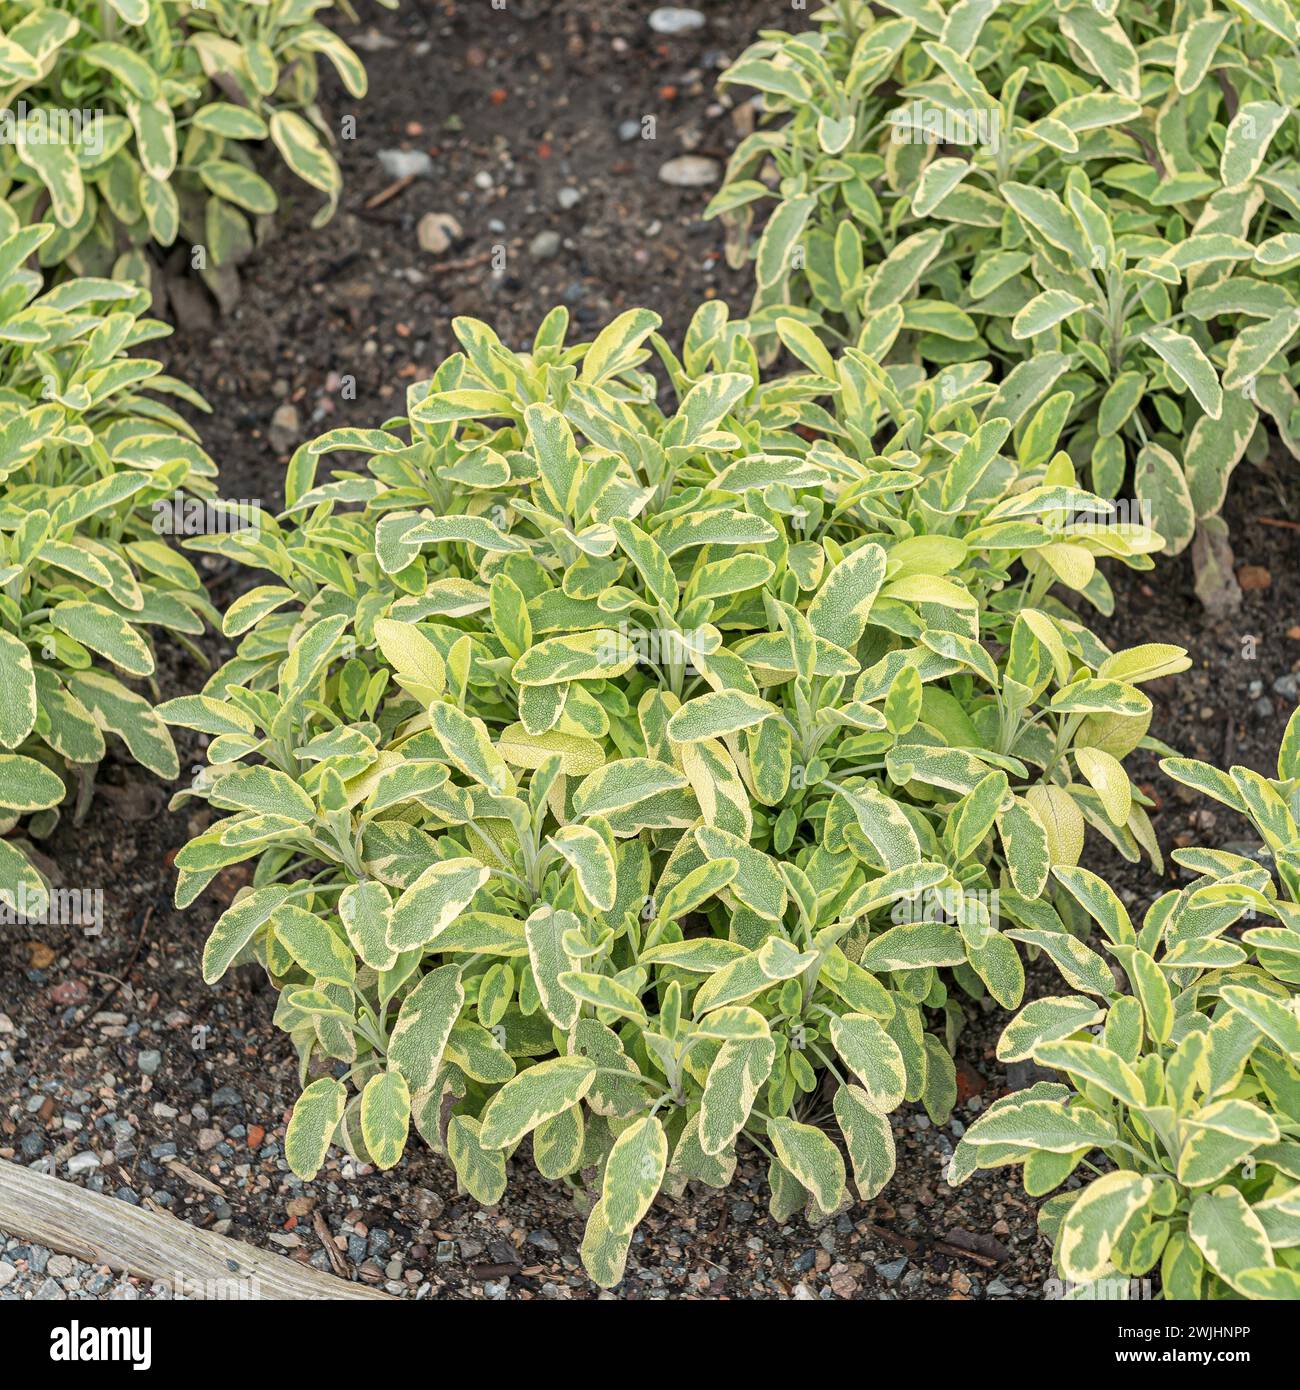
point(690, 171)
point(675, 19)
point(286, 428)
point(7, 1273)
point(80, 1163)
point(544, 246)
point(406, 164)
point(889, 1270)
point(568, 198)
point(149, 1061)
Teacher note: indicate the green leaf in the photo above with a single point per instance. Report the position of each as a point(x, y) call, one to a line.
point(363, 909)
point(1044, 312)
point(481, 1169)
point(424, 1023)
point(809, 1154)
point(320, 951)
point(1097, 1065)
point(592, 862)
point(465, 741)
point(239, 185)
point(315, 1117)
point(623, 783)
point(1096, 1221)
point(873, 1057)
point(1229, 1235)
point(868, 1138)
point(264, 790)
point(1046, 1020)
point(301, 149)
point(776, 245)
point(28, 785)
point(717, 714)
point(545, 931)
point(731, 1088)
point(103, 631)
point(433, 902)
point(1041, 1124)
point(385, 1117)
point(236, 927)
point(634, 1173)
point(604, 1254)
point(1250, 132)
point(534, 1095)
point(558, 1144)
point(1190, 365)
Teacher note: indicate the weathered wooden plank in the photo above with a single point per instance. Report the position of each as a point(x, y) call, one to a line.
point(102, 1230)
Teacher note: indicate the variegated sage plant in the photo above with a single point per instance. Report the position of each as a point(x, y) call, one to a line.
point(131, 121)
point(1114, 187)
point(88, 445)
point(1180, 1105)
point(642, 782)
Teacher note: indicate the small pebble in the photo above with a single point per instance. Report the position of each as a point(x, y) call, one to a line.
point(675, 19)
point(690, 171)
point(406, 164)
point(544, 246)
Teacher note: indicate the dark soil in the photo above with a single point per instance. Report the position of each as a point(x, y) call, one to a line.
point(115, 1056)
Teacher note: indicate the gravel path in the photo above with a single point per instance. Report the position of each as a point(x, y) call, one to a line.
point(31, 1272)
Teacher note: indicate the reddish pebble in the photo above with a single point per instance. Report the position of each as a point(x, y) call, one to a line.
point(69, 992)
point(256, 1133)
point(969, 1082)
point(1254, 577)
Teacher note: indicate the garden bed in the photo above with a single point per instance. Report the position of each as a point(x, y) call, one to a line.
point(121, 1071)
